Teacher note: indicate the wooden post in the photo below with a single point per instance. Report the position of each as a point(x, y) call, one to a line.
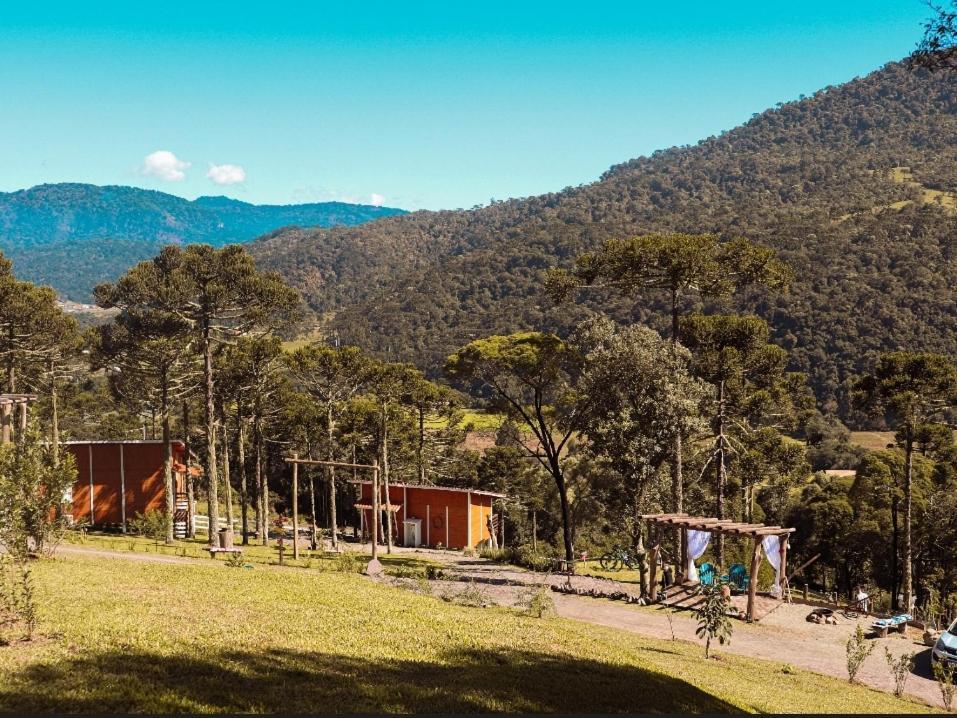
point(5, 419)
point(375, 510)
point(653, 573)
point(753, 582)
point(785, 587)
point(295, 508)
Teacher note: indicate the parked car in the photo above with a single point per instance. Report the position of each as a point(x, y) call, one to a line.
point(946, 647)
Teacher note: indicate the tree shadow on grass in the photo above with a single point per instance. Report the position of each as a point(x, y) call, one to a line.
point(308, 682)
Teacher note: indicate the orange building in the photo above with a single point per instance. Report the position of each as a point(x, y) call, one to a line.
point(118, 479)
point(432, 515)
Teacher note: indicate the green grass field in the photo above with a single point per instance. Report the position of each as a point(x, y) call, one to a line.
point(137, 636)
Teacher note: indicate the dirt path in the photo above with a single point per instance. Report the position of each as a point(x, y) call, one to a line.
point(783, 636)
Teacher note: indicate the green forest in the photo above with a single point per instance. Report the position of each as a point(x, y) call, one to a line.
point(852, 186)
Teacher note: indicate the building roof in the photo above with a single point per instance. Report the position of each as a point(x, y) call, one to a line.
point(431, 487)
point(178, 442)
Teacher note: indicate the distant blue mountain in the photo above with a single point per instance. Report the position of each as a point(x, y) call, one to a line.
point(74, 236)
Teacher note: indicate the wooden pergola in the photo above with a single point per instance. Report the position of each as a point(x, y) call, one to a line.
point(8, 406)
point(757, 532)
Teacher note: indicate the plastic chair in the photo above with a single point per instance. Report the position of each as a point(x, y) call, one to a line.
point(706, 574)
point(738, 577)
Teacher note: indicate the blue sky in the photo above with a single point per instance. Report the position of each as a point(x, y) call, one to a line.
point(418, 105)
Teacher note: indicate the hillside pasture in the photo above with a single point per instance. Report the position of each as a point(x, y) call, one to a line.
point(141, 636)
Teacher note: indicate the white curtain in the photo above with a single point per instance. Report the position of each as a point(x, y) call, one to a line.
point(772, 549)
point(697, 544)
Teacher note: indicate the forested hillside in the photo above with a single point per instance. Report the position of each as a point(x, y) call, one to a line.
point(820, 179)
point(74, 236)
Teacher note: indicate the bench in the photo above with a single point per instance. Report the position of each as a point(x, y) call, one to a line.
point(213, 550)
point(883, 626)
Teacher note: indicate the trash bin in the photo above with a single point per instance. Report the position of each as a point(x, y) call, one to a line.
point(225, 538)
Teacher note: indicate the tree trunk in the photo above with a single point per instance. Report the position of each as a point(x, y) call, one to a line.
point(330, 454)
point(168, 463)
point(908, 511)
point(212, 478)
point(313, 539)
point(385, 477)
point(262, 516)
point(722, 473)
point(566, 514)
point(226, 479)
point(895, 543)
point(54, 417)
point(190, 492)
point(420, 449)
point(241, 459)
point(677, 473)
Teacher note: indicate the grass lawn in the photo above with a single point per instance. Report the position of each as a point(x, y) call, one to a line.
point(135, 636)
point(254, 553)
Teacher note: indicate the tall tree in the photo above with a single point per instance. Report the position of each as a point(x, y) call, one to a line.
point(750, 383)
point(911, 389)
point(640, 395)
point(221, 295)
point(147, 354)
point(332, 376)
point(683, 266)
point(532, 375)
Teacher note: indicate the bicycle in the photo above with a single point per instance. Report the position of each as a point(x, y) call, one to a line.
point(617, 558)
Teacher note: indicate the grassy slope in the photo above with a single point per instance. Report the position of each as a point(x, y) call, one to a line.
point(136, 636)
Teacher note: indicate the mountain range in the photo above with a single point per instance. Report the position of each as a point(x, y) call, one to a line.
point(854, 186)
point(73, 236)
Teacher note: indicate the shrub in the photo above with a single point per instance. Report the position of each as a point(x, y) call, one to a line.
point(900, 669)
point(469, 595)
point(524, 556)
point(944, 673)
point(857, 652)
point(153, 525)
point(347, 562)
point(537, 601)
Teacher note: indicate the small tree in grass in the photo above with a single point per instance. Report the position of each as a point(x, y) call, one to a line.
point(944, 673)
point(900, 668)
point(32, 485)
point(713, 620)
point(857, 652)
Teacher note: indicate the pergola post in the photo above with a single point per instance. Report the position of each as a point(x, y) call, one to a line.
point(784, 567)
point(653, 572)
point(753, 582)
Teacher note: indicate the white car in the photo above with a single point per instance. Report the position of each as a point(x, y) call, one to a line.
point(946, 647)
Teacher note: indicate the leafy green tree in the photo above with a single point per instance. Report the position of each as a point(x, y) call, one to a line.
point(532, 375)
point(681, 265)
point(911, 390)
point(220, 295)
point(639, 394)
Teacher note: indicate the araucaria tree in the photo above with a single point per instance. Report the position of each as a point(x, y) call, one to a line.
point(751, 386)
point(911, 390)
point(331, 376)
point(147, 356)
point(683, 267)
point(220, 295)
point(532, 375)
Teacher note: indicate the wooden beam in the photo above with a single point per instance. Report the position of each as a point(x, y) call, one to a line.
point(342, 464)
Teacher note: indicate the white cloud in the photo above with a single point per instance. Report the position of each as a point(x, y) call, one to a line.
point(226, 174)
point(164, 165)
point(376, 199)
